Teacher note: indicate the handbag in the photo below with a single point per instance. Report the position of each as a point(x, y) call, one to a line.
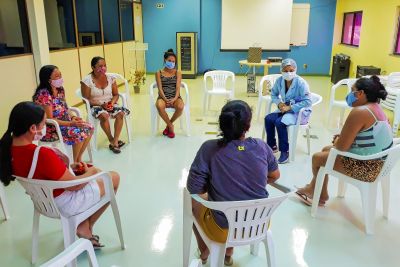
point(254, 54)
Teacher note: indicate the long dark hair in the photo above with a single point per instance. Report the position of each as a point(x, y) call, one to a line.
point(373, 88)
point(22, 117)
point(234, 121)
point(94, 61)
point(44, 77)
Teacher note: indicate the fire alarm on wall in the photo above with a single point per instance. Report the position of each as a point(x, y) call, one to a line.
point(160, 5)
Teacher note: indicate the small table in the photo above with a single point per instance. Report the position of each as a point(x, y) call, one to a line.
point(251, 85)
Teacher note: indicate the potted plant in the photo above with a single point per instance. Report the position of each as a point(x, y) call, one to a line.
point(138, 78)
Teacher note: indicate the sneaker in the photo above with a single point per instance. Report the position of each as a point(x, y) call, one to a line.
point(284, 158)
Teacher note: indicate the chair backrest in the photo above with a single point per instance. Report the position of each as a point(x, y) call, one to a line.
point(153, 90)
point(249, 220)
point(393, 155)
point(118, 76)
point(219, 79)
point(41, 193)
point(392, 99)
point(393, 80)
point(345, 82)
point(315, 99)
point(270, 80)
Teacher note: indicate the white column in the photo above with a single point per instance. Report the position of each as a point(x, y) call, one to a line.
point(38, 30)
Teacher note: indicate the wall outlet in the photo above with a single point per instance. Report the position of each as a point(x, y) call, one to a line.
point(160, 5)
point(305, 66)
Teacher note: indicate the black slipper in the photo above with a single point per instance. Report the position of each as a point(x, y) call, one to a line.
point(114, 149)
point(121, 143)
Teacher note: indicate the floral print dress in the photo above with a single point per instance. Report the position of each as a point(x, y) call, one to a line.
point(71, 134)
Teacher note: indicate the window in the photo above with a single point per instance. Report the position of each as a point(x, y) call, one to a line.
point(110, 17)
point(126, 7)
point(60, 24)
point(352, 28)
point(88, 20)
point(397, 41)
point(14, 28)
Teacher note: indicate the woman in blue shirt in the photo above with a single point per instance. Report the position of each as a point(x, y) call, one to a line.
point(290, 93)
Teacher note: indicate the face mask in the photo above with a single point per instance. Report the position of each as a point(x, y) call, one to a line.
point(288, 76)
point(102, 70)
point(57, 83)
point(39, 134)
point(350, 99)
point(169, 65)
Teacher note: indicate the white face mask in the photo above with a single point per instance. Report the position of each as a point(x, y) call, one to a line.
point(39, 134)
point(288, 76)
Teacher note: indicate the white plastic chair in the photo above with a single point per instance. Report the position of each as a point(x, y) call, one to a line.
point(96, 123)
point(368, 190)
point(392, 102)
point(340, 103)
point(155, 118)
point(127, 93)
point(248, 225)
point(66, 149)
point(72, 252)
point(219, 79)
point(3, 202)
point(41, 193)
point(393, 80)
point(270, 81)
point(293, 130)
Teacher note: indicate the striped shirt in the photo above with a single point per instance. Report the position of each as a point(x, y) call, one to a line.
point(375, 139)
point(168, 85)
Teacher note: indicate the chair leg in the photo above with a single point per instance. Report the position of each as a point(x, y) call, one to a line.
point(341, 189)
point(187, 117)
point(292, 134)
point(254, 248)
point(117, 219)
point(3, 202)
point(181, 123)
point(368, 195)
point(89, 151)
point(69, 231)
point(385, 183)
point(308, 140)
point(317, 190)
point(217, 254)
point(270, 249)
point(35, 236)
point(128, 129)
point(259, 104)
point(187, 227)
point(94, 137)
point(329, 114)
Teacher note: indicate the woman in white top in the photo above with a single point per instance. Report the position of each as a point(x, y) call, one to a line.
point(102, 92)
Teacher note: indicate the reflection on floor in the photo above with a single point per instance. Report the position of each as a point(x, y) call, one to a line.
point(150, 201)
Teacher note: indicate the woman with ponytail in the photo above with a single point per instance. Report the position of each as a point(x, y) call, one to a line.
point(365, 132)
point(169, 85)
point(230, 168)
point(27, 124)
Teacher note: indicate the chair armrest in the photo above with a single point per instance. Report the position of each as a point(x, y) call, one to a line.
point(105, 176)
point(56, 125)
point(214, 205)
point(76, 111)
point(336, 153)
point(123, 99)
point(301, 115)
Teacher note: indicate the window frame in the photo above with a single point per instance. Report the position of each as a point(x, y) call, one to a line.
point(397, 40)
point(353, 28)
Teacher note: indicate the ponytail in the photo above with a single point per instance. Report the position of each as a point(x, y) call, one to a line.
point(5, 158)
point(234, 121)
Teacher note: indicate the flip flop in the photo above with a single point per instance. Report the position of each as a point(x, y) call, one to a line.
point(95, 242)
point(308, 200)
point(228, 261)
point(121, 143)
point(114, 149)
point(198, 255)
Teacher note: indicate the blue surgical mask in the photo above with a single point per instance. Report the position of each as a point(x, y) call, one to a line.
point(169, 65)
point(288, 76)
point(351, 98)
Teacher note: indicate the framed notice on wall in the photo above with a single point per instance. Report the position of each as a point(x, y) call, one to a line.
point(186, 50)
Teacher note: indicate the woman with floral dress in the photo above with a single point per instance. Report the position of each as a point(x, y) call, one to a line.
point(50, 95)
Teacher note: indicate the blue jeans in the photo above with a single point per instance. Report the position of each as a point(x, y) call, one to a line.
point(272, 121)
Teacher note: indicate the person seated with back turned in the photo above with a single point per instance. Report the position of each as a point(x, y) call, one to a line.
point(366, 131)
point(27, 124)
point(290, 93)
point(101, 90)
point(169, 86)
point(231, 168)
